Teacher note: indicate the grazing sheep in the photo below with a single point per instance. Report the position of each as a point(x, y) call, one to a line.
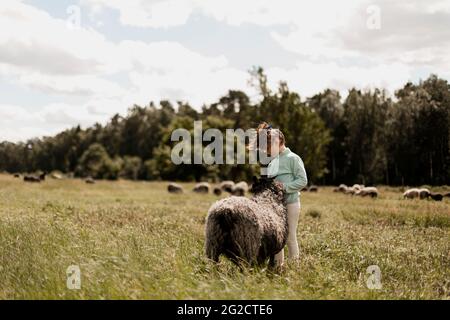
point(227, 186)
point(416, 193)
point(29, 178)
point(313, 189)
point(56, 176)
point(245, 229)
point(217, 191)
point(353, 189)
point(202, 187)
point(350, 190)
point(411, 193)
point(342, 188)
point(436, 196)
point(174, 188)
point(424, 193)
point(33, 178)
point(367, 191)
point(240, 189)
point(89, 180)
point(16, 175)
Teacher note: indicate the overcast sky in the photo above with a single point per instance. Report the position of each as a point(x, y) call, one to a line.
point(56, 72)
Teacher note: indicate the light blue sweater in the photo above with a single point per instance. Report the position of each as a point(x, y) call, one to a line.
point(288, 168)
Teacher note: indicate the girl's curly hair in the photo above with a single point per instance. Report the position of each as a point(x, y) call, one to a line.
point(271, 132)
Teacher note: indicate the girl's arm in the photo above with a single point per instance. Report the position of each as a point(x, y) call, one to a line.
point(300, 179)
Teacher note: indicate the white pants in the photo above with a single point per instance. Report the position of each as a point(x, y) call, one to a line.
point(293, 213)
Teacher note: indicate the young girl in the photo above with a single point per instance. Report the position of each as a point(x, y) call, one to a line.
point(287, 168)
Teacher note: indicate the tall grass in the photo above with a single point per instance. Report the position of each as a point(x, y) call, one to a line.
point(133, 240)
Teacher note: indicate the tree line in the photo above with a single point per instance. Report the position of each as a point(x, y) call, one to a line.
point(368, 137)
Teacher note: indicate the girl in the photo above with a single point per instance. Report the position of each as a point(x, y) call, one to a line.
point(287, 168)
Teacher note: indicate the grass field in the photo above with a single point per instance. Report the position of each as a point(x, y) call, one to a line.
point(133, 240)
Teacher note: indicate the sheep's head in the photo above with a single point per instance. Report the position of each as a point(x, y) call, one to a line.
point(266, 184)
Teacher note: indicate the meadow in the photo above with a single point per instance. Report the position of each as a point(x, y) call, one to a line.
point(134, 240)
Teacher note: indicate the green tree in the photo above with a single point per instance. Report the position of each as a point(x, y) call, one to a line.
point(131, 168)
point(96, 162)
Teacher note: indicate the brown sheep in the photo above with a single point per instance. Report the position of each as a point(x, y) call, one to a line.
point(342, 188)
point(202, 187)
point(424, 193)
point(436, 196)
point(248, 230)
point(227, 186)
point(33, 178)
point(174, 188)
point(411, 193)
point(240, 189)
point(367, 191)
point(89, 180)
point(217, 191)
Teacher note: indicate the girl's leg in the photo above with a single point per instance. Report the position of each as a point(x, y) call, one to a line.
point(292, 243)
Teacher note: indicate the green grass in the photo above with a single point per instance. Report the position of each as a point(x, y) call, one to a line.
point(133, 240)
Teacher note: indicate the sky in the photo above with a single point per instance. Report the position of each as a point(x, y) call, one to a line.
point(70, 62)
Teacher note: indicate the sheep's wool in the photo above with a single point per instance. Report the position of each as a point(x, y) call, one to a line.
point(248, 229)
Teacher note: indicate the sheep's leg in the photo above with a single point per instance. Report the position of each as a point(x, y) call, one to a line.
point(272, 263)
point(212, 251)
point(215, 258)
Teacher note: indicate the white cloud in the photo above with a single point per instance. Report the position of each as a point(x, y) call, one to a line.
point(41, 52)
point(146, 13)
point(168, 57)
point(195, 87)
point(169, 13)
point(34, 41)
point(309, 78)
point(45, 55)
point(412, 32)
point(75, 85)
point(18, 123)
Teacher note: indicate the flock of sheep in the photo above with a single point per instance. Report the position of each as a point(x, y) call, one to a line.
point(358, 190)
point(424, 193)
point(236, 189)
point(38, 178)
point(32, 178)
point(241, 188)
point(419, 193)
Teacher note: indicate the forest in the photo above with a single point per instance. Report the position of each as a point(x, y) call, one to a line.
point(369, 137)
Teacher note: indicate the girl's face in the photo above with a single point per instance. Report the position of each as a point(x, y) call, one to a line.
point(273, 144)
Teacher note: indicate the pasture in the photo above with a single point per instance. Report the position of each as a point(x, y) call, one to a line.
point(134, 240)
